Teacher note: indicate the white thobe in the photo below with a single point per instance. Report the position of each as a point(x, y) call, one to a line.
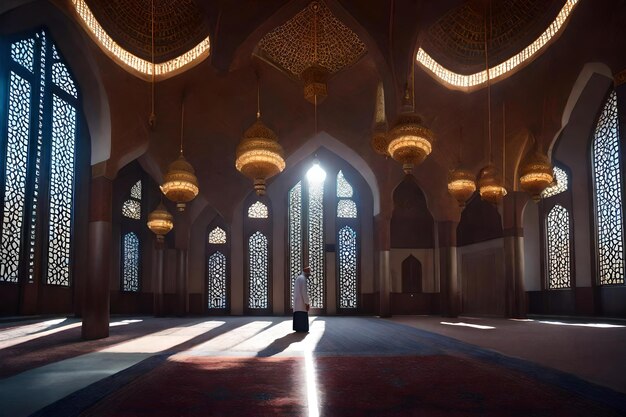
point(300, 294)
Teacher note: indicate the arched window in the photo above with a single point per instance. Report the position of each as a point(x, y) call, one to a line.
point(257, 234)
point(607, 192)
point(308, 201)
point(218, 268)
point(558, 248)
point(38, 136)
point(131, 230)
point(558, 258)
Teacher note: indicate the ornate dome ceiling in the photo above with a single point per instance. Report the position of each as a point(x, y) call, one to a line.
point(457, 39)
point(179, 25)
point(124, 29)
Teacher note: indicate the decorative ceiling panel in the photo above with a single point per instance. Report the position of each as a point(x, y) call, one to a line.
point(295, 45)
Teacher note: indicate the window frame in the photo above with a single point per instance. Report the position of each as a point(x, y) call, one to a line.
point(210, 249)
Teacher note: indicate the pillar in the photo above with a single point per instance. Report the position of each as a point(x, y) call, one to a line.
point(448, 271)
point(515, 293)
point(382, 229)
point(96, 292)
point(181, 241)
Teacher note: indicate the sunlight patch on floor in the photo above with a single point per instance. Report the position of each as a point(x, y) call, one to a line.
point(594, 325)
point(473, 326)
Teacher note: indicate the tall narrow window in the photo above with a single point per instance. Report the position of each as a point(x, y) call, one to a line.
point(308, 200)
point(295, 235)
point(347, 245)
point(217, 269)
point(315, 236)
point(257, 235)
point(259, 271)
point(607, 187)
point(131, 230)
point(558, 244)
point(130, 262)
point(38, 146)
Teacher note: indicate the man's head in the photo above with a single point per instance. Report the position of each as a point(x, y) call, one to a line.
point(307, 271)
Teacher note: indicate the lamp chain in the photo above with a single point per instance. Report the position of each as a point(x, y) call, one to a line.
point(488, 88)
point(152, 119)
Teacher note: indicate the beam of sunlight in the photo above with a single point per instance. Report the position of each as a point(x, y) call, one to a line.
point(261, 340)
point(165, 339)
point(54, 322)
point(521, 319)
point(473, 326)
point(311, 385)
point(227, 341)
point(123, 322)
point(20, 337)
point(595, 325)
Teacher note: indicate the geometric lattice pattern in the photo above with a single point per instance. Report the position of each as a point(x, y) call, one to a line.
point(132, 209)
point(347, 258)
point(259, 271)
point(312, 37)
point(217, 236)
point(295, 235)
point(23, 215)
point(559, 256)
point(560, 183)
point(130, 262)
point(607, 180)
point(258, 210)
point(15, 177)
point(61, 77)
point(346, 209)
point(216, 277)
point(23, 52)
point(316, 281)
point(61, 191)
point(344, 189)
point(135, 190)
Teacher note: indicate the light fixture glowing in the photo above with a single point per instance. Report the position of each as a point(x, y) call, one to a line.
point(316, 174)
point(160, 222)
point(468, 82)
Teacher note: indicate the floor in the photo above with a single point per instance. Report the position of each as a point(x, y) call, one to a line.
point(43, 363)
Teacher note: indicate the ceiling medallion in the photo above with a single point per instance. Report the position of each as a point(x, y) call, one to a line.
point(313, 39)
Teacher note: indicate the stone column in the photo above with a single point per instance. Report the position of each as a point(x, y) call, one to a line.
point(448, 273)
point(515, 293)
point(97, 297)
point(382, 229)
point(181, 244)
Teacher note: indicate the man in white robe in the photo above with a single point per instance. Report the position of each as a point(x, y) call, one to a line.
point(301, 303)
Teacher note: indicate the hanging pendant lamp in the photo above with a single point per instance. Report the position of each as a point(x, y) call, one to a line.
point(379, 140)
point(160, 222)
point(410, 142)
point(315, 77)
point(490, 184)
point(180, 182)
point(259, 155)
point(535, 172)
point(461, 182)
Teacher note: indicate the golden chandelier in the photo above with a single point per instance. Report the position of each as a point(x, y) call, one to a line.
point(180, 182)
point(535, 172)
point(160, 222)
point(259, 156)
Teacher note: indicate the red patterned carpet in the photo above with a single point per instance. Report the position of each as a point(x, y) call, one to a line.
point(439, 385)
